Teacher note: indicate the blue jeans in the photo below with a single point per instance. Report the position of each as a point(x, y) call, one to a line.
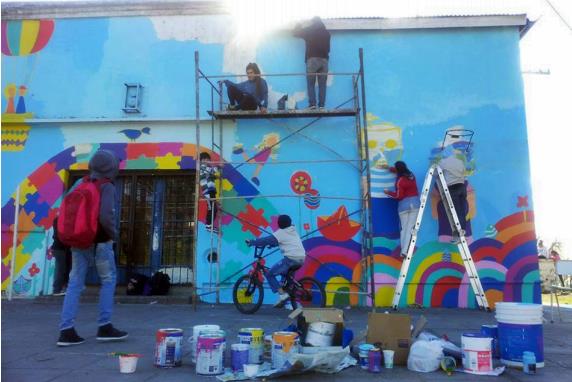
point(280, 268)
point(105, 264)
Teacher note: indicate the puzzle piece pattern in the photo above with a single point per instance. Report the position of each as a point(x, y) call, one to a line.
point(251, 219)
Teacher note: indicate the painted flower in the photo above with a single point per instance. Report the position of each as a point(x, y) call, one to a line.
point(522, 201)
point(34, 270)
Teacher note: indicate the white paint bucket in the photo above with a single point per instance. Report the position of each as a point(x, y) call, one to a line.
point(197, 329)
point(210, 352)
point(477, 353)
point(128, 363)
point(320, 334)
point(519, 330)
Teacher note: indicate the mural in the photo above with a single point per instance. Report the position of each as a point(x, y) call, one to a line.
point(279, 171)
point(24, 37)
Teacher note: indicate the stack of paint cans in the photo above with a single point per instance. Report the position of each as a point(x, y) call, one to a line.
point(197, 329)
point(210, 352)
point(168, 348)
point(253, 337)
point(284, 344)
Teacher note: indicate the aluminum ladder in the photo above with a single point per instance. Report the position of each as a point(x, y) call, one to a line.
point(462, 245)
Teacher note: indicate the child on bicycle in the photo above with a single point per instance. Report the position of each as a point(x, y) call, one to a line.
point(292, 249)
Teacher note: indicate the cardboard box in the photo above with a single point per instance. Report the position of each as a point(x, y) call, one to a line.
point(332, 315)
point(393, 331)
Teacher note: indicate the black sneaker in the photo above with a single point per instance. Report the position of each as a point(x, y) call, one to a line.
point(109, 333)
point(69, 337)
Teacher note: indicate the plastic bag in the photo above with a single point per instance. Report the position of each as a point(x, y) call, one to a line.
point(425, 356)
point(449, 348)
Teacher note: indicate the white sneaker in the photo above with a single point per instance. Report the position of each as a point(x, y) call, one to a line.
point(281, 298)
point(288, 306)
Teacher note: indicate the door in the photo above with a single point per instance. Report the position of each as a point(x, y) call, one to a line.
point(155, 224)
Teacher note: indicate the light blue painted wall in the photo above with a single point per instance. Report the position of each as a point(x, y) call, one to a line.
point(422, 81)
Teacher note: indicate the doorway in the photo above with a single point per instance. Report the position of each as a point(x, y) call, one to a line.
point(155, 224)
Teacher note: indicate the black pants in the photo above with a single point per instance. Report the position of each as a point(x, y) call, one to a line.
point(244, 101)
point(212, 209)
point(459, 196)
point(63, 267)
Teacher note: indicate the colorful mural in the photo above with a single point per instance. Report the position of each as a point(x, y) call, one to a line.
point(41, 193)
point(280, 169)
point(24, 37)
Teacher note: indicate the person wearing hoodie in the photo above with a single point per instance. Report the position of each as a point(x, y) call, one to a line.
point(103, 165)
point(292, 249)
point(408, 201)
point(250, 94)
point(317, 57)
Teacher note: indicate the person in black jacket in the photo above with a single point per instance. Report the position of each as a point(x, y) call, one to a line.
point(317, 57)
point(62, 255)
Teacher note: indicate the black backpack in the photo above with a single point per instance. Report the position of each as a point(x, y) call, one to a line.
point(160, 284)
point(137, 285)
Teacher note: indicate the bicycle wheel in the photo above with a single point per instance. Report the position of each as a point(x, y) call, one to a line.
point(247, 294)
point(311, 294)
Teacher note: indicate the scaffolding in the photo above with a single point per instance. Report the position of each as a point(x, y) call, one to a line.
point(355, 107)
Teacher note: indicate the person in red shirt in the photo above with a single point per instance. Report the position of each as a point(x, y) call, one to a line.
point(408, 201)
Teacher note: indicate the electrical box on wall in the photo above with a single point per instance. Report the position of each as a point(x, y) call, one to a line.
point(133, 93)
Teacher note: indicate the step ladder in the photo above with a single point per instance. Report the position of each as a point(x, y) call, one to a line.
point(462, 245)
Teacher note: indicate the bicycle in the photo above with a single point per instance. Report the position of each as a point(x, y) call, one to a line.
point(248, 290)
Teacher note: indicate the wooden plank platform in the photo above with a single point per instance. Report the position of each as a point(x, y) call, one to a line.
point(302, 113)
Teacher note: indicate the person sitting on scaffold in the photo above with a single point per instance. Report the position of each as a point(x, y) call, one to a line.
point(292, 249)
point(250, 94)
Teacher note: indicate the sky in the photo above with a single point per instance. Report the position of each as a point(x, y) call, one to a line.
point(546, 47)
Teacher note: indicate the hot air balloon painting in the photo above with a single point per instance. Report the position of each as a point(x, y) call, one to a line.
point(24, 37)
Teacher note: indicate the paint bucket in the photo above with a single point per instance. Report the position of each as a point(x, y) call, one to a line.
point(520, 330)
point(284, 344)
point(128, 363)
point(238, 356)
point(197, 329)
point(254, 337)
point(493, 332)
point(210, 352)
point(267, 355)
point(477, 353)
point(168, 351)
point(320, 334)
point(363, 355)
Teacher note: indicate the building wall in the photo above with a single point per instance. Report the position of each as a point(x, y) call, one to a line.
point(418, 84)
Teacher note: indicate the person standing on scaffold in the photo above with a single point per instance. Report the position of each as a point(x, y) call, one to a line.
point(207, 177)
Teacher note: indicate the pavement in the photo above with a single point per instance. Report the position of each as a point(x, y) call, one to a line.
point(29, 335)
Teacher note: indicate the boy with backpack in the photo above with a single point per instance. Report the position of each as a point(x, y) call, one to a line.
point(87, 224)
point(292, 249)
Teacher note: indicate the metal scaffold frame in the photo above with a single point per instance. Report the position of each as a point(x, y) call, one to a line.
point(362, 164)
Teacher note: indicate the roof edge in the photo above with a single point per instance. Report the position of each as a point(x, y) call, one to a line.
point(134, 8)
point(426, 22)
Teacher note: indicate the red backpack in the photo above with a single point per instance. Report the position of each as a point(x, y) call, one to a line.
point(79, 214)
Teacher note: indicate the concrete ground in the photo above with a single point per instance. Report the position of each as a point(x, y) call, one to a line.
point(29, 334)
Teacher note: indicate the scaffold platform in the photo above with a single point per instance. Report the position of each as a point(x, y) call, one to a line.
point(297, 113)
